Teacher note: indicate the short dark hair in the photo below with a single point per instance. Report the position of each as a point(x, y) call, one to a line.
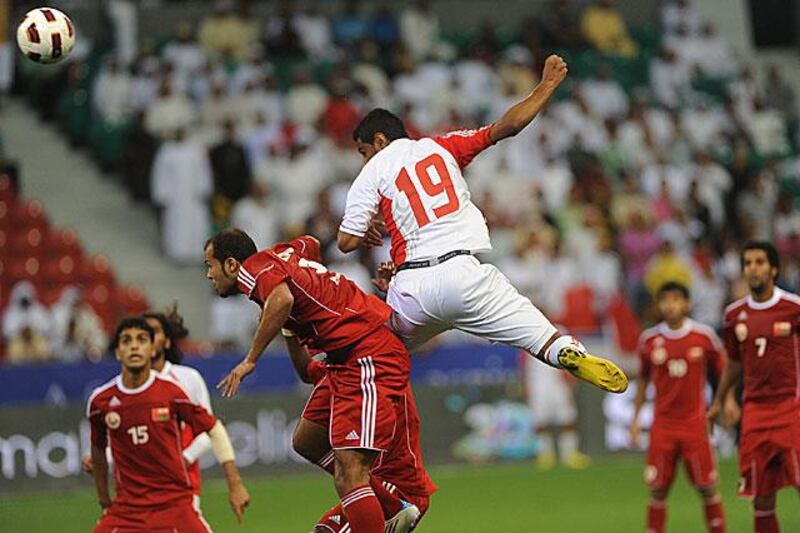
point(131, 322)
point(380, 121)
point(673, 286)
point(765, 246)
point(232, 242)
point(172, 324)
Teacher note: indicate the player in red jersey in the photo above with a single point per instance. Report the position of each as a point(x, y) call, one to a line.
point(761, 335)
point(399, 478)
point(676, 356)
point(368, 366)
point(138, 414)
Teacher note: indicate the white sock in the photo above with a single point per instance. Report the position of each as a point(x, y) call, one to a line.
point(565, 340)
point(567, 443)
point(546, 443)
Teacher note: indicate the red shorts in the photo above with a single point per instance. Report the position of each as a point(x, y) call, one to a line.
point(366, 392)
point(769, 459)
point(667, 446)
point(334, 520)
point(183, 517)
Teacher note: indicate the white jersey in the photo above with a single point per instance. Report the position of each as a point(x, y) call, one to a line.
point(191, 381)
point(418, 187)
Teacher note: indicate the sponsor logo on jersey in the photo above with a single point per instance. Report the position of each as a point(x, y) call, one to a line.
point(741, 331)
point(781, 329)
point(336, 519)
point(113, 420)
point(742, 315)
point(114, 401)
point(695, 352)
point(658, 356)
point(659, 341)
point(159, 414)
point(352, 436)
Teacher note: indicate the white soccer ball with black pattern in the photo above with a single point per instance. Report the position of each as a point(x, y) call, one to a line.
point(46, 35)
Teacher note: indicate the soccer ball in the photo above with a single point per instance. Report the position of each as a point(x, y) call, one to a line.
point(46, 35)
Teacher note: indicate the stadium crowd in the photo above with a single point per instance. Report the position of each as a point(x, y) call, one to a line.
point(663, 154)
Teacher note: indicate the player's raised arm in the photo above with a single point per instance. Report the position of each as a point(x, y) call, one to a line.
point(276, 311)
point(520, 115)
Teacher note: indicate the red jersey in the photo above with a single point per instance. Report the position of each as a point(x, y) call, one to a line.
point(329, 311)
point(143, 428)
point(677, 362)
point(764, 337)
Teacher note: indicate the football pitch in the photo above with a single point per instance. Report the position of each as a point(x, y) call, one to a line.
point(607, 497)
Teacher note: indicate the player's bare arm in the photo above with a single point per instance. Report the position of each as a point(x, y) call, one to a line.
point(299, 356)
point(373, 237)
point(100, 473)
point(238, 497)
point(638, 402)
point(520, 115)
point(730, 375)
point(275, 314)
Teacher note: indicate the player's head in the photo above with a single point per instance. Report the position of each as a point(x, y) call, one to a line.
point(133, 343)
point(376, 130)
point(168, 329)
point(224, 254)
point(673, 301)
point(760, 265)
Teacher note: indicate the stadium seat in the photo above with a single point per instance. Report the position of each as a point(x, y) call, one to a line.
point(29, 215)
point(28, 242)
point(131, 300)
point(7, 191)
point(20, 268)
point(96, 270)
point(64, 242)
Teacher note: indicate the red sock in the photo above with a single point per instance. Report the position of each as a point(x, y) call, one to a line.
point(715, 518)
point(327, 463)
point(765, 521)
point(656, 516)
point(390, 503)
point(363, 510)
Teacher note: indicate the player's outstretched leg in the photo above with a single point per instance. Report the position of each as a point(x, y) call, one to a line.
point(765, 520)
point(565, 351)
point(405, 520)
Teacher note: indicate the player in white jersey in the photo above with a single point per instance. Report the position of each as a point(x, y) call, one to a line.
point(418, 188)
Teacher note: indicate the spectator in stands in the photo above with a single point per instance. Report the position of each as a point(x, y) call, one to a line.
point(679, 14)
point(305, 100)
point(779, 94)
point(124, 17)
point(756, 205)
point(561, 26)
point(28, 346)
point(714, 56)
point(79, 333)
point(260, 139)
point(713, 184)
point(224, 33)
point(385, 28)
point(351, 25)
point(113, 93)
point(367, 72)
point(341, 116)
point(666, 265)
point(419, 29)
point(170, 113)
point(604, 95)
point(259, 216)
point(185, 53)
point(25, 312)
point(181, 186)
point(232, 176)
point(315, 33)
point(709, 291)
point(280, 34)
point(670, 80)
point(604, 28)
point(323, 221)
point(766, 128)
point(145, 83)
point(6, 50)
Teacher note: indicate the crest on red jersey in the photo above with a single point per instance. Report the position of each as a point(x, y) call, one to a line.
point(781, 329)
point(741, 331)
point(113, 420)
point(159, 414)
point(658, 356)
point(695, 352)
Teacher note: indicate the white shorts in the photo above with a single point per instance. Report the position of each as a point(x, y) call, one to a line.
point(464, 294)
point(550, 396)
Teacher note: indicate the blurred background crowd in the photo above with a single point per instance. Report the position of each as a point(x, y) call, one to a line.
point(659, 156)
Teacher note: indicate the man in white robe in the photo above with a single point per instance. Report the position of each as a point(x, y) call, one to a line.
point(181, 184)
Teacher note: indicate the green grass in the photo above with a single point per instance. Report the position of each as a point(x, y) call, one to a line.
point(509, 498)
